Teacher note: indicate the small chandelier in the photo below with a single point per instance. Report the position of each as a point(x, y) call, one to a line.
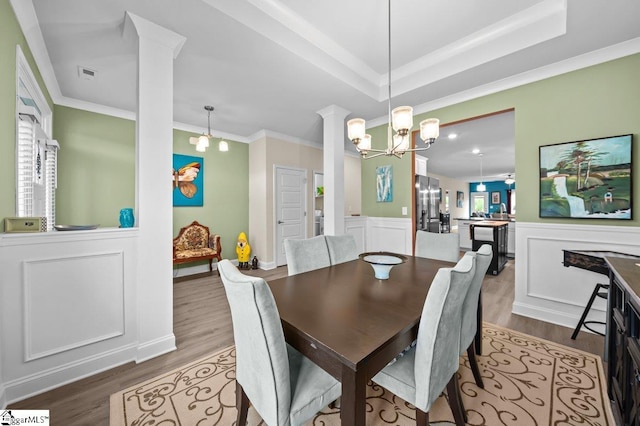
point(400, 120)
point(202, 142)
point(481, 186)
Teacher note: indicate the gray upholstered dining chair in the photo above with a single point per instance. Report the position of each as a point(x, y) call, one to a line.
point(438, 246)
point(306, 254)
point(342, 248)
point(424, 371)
point(284, 386)
point(470, 309)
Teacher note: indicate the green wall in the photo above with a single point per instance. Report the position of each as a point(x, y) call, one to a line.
point(96, 176)
point(225, 207)
point(598, 101)
point(96, 164)
point(10, 36)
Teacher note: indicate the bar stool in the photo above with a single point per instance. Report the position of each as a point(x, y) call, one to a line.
point(582, 322)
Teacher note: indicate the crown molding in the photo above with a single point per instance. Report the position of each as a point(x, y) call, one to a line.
point(606, 54)
point(28, 21)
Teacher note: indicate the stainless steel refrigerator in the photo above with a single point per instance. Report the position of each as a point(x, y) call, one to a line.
point(427, 203)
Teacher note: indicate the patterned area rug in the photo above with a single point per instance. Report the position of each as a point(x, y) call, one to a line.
point(528, 381)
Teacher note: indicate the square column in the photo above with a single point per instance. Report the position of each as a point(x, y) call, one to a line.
point(333, 159)
point(157, 48)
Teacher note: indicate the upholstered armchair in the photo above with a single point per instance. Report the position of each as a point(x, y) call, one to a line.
point(194, 242)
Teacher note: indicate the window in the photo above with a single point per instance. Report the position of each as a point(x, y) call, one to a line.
point(480, 202)
point(36, 153)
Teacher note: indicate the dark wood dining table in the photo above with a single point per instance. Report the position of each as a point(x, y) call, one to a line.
point(352, 324)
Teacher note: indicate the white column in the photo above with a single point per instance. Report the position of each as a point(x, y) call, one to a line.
point(333, 158)
point(157, 48)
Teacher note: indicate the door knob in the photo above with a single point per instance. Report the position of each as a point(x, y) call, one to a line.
point(280, 222)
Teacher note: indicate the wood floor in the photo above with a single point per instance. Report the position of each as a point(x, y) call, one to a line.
point(202, 324)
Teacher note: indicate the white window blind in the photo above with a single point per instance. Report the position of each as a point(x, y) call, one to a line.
point(25, 167)
point(37, 160)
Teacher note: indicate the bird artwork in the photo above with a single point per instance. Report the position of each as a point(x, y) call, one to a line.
point(183, 179)
point(243, 250)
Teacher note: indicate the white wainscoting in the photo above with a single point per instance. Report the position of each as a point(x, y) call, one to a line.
point(357, 226)
point(68, 307)
point(390, 234)
point(548, 291)
point(93, 287)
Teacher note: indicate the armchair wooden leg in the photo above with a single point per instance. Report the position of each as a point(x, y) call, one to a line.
point(242, 405)
point(473, 362)
point(455, 401)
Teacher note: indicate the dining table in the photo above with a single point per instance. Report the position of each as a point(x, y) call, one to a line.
point(352, 324)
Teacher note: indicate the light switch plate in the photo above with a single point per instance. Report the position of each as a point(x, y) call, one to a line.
point(404, 211)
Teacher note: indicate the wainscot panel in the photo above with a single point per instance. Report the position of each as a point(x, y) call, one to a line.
point(549, 291)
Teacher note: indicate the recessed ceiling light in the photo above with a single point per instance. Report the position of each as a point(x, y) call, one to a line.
point(476, 151)
point(453, 135)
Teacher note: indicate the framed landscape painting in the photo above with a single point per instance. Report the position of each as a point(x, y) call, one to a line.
point(589, 179)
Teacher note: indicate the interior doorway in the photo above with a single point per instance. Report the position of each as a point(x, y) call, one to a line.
point(290, 212)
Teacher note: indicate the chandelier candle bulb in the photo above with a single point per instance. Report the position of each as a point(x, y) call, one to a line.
point(356, 129)
point(223, 146)
point(365, 143)
point(430, 129)
point(402, 119)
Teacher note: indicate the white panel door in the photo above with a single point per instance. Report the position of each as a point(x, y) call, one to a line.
point(290, 191)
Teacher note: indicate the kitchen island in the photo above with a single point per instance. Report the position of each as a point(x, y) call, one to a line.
point(494, 233)
point(465, 233)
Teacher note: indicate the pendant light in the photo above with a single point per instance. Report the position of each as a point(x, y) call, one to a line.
point(509, 181)
point(481, 186)
point(400, 122)
point(202, 142)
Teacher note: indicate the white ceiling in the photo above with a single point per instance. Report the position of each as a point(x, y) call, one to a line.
point(270, 65)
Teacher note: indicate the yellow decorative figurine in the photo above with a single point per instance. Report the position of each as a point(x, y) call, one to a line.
point(243, 250)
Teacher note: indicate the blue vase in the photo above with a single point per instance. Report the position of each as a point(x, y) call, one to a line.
point(126, 218)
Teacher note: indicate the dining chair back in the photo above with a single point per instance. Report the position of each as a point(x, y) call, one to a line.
point(470, 308)
point(283, 386)
point(342, 248)
point(420, 376)
point(438, 246)
point(306, 254)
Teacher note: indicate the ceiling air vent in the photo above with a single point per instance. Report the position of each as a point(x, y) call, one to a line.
point(86, 73)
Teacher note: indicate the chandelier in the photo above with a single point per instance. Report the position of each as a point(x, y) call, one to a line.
point(400, 121)
point(202, 142)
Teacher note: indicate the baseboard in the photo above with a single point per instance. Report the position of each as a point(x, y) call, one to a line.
point(266, 266)
point(155, 348)
point(183, 270)
point(46, 380)
point(554, 317)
